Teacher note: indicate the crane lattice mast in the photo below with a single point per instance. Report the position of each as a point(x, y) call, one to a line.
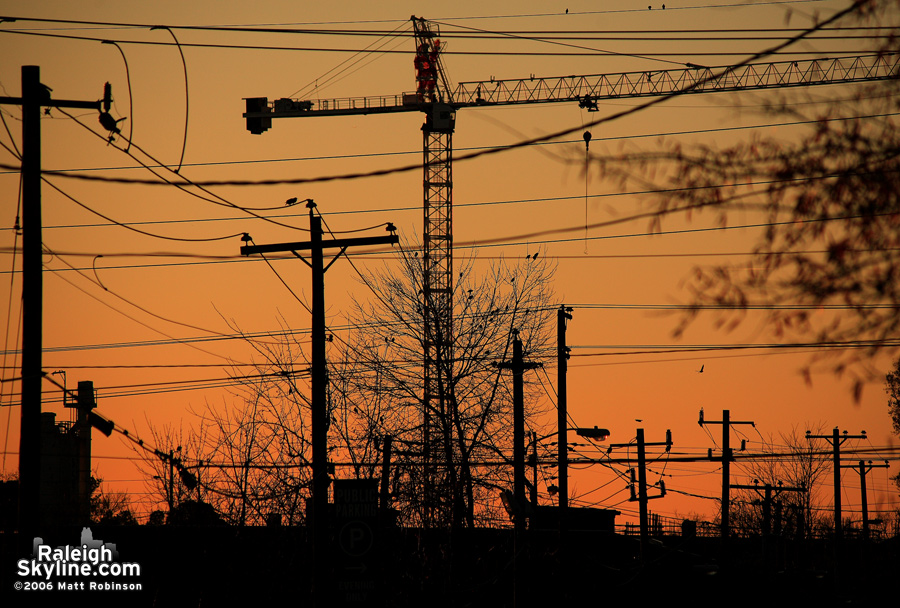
point(439, 479)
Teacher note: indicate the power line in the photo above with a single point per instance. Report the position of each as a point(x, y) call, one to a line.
point(220, 200)
point(652, 55)
point(268, 28)
point(579, 141)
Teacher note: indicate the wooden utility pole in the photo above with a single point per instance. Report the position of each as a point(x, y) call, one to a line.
point(769, 494)
point(34, 97)
point(643, 498)
point(836, 440)
point(518, 366)
point(727, 457)
point(386, 476)
point(641, 495)
point(863, 469)
point(562, 444)
point(319, 512)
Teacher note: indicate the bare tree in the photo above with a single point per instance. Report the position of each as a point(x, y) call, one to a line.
point(795, 463)
point(110, 508)
point(377, 385)
point(257, 447)
point(167, 482)
point(827, 268)
point(253, 454)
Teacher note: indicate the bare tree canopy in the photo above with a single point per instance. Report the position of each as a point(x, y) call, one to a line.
point(793, 485)
point(254, 453)
point(377, 391)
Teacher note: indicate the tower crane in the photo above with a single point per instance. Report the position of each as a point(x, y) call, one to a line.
point(439, 101)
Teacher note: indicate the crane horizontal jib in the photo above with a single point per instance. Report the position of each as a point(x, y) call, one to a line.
point(596, 87)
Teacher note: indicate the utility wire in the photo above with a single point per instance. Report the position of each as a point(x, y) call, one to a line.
point(220, 200)
point(127, 301)
point(186, 94)
point(472, 148)
point(139, 322)
point(132, 228)
point(266, 28)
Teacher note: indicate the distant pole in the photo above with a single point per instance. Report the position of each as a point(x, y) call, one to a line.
point(726, 459)
point(562, 442)
point(518, 366)
point(534, 469)
point(642, 490)
point(386, 474)
point(863, 469)
point(85, 403)
point(865, 501)
point(562, 416)
point(836, 439)
point(170, 486)
point(641, 481)
point(518, 433)
point(726, 472)
point(836, 463)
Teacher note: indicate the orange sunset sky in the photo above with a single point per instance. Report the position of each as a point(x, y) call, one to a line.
point(131, 320)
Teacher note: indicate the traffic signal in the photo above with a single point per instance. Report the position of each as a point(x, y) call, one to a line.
point(257, 124)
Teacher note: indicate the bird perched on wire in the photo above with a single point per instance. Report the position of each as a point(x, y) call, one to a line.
point(110, 124)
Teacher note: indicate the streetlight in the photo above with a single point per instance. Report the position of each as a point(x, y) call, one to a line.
point(592, 434)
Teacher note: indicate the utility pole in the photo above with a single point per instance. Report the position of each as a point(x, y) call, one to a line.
point(316, 246)
point(534, 470)
point(769, 494)
point(518, 366)
point(641, 480)
point(386, 475)
point(34, 96)
point(863, 470)
point(836, 439)
point(727, 457)
point(85, 402)
point(562, 444)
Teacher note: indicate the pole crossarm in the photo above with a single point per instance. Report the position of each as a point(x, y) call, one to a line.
point(835, 439)
point(306, 245)
point(865, 468)
point(57, 103)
